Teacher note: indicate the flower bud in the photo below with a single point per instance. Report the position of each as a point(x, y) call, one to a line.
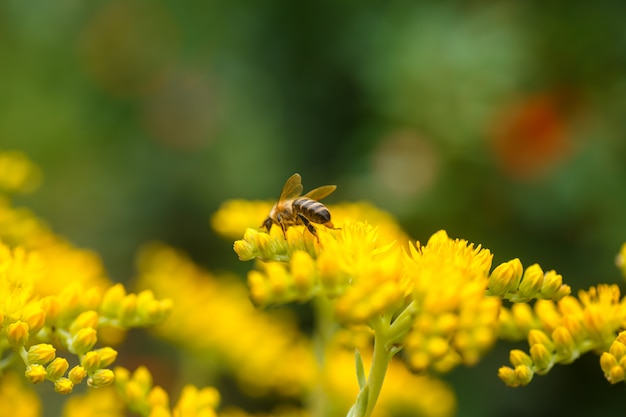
point(112, 301)
point(57, 368)
point(91, 361)
point(519, 357)
point(107, 356)
point(77, 374)
point(41, 353)
point(552, 283)
point(542, 358)
point(505, 277)
point(101, 378)
point(18, 333)
point(83, 341)
point(84, 320)
point(244, 250)
point(63, 386)
point(531, 282)
point(157, 397)
point(35, 317)
point(35, 373)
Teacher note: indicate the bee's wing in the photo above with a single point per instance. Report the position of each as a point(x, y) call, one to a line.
point(320, 192)
point(292, 188)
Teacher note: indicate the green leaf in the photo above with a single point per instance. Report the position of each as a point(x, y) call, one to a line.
point(360, 369)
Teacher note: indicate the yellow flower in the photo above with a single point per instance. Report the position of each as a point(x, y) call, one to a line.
point(566, 329)
point(455, 322)
point(19, 271)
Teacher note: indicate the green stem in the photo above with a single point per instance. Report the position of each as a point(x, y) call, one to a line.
point(378, 370)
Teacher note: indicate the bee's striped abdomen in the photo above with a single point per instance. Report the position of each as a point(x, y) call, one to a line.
point(313, 210)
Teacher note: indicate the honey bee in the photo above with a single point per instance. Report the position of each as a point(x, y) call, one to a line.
point(291, 209)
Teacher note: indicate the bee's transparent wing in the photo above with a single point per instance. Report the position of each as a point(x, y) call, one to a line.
point(320, 192)
point(292, 188)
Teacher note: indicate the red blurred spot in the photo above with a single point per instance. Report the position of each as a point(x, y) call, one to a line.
point(532, 135)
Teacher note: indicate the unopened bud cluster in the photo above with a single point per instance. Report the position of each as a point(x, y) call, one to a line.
point(510, 281)
point(139, 393)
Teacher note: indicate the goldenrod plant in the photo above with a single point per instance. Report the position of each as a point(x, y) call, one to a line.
point(391, 315)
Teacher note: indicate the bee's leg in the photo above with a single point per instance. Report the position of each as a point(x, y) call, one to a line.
point(280, 222)
point(309, 226)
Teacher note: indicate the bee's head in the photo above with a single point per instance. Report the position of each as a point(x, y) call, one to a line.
point(267, 224)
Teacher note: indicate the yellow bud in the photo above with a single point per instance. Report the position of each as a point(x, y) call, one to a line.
point(507, 375)
point(244, 250)
point(536, 336)
point(143, 377)
point(35, 373)
point(101, 378)
point(265, 245)
point(209, 397)
point(85, 319)
point(258, 288)
point(51, 307)
point(542, 358)
point(531, 281)
point(57, 368)
point(83, 341)
point(621, 337)
point(519, 357)
point(303, 271)
point(618, 350)
point(523, 374)
point(128, 308)
point(112, 301)
point(505, 277)
point(161, 411)
point(63, 386)
point(41, 353)
point(35, 317)
point(122, 376)
point(77, 374)
point(616, 375)
point(607, 362)
point(107, 356)
point(552, 283)
point(157, 397)
point(91, 361)
point(437, 347)
point(522, 315)
point(18, 333)
point(564, 344)
point(151, 310)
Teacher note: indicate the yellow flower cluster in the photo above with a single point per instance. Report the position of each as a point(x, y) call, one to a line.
point(215, 318)
point(559, 332)
point(438, 303)
point(143, 397)
point(53, 295)
point(455, 322)
point(28, 322)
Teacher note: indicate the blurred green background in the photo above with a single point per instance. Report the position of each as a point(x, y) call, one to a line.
point(502, 122)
